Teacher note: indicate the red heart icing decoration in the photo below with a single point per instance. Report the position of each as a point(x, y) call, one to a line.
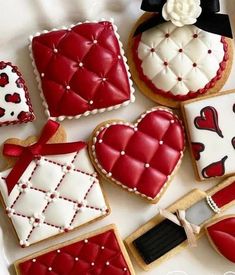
point(197, 148)
point(215, 169)
point(208, 120)
point(222, 235)
point(15, 98)
point(140, 157)
point(4, 80)
point(92, 74)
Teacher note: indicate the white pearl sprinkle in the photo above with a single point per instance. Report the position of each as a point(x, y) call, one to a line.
point(55, 51)
point(109, 174)
point(42, 74)
point(69, 29)
point(119, 57)
point(68, 87)
point(160, 142)
point(102, 247)
point(91, 102)
point(76, 259)
point(122, 153)
point(100, 141)
point(34, 260)
point(86, 241)
point(125, 269)
point(95, 41)
point(50, 268)
point(80, 64)
point(135, 129)
point(104, 79)
point(135, 189)
point(92, 263)
point(107, 263)
point(146, 165)
point(58, 251)
point(172, 121)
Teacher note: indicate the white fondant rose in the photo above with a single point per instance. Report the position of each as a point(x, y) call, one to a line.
point(182, 12)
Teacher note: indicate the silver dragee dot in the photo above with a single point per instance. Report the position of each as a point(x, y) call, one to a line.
point(122, 153)
point(160, 142)
point(55, 51)
point(146, 165)
point(91, 102)
point(34, 260)
point(95, 41)
point(86, 241)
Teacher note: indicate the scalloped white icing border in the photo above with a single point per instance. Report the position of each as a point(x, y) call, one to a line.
point(95, 111)
point(106, 174)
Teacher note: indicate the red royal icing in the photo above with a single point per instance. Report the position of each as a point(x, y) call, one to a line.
point(100, 254)
point(215, 169)
point(208, 120)
point(197, 149)
point(81, 69)
point(168, 94)
point(142, 146)
point(222, 234)
point(225, 195)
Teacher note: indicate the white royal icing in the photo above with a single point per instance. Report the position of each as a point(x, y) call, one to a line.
point(84, 198)
point(182, 12)
point(12, 88)
point(180, 64)
point(215, 147)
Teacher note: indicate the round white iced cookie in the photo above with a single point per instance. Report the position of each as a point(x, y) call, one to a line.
point(180, 60)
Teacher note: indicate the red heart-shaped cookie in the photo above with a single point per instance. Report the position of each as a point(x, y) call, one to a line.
point(222, 235)
point(140, 157)
point(208, 120)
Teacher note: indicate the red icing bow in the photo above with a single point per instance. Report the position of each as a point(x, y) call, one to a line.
point(40, 148)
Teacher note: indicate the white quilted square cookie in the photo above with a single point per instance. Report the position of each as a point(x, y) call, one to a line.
point(209, 122)
point(172, 64)
point(54, 194)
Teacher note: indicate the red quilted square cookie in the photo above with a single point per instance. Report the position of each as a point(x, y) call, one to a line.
point(98, 253)
point(141, 157)
point(81, 70)
point(15, 105)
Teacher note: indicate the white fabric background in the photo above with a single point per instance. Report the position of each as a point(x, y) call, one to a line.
point(19, 19)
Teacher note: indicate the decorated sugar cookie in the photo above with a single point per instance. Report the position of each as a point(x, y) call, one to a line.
point(183, 223)
point(99, 252)
point(178, 52)
point(143, 157)
point(52, 187)
point(15, 104)
point(81, 70)
point(221, 233)
point(211, 134)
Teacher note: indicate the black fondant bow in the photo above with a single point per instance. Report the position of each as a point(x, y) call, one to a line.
point(209, 20)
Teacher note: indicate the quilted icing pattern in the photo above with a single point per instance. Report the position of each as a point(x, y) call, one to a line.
point(180, 62)
point(54, 195)
point(98, 255)
point(81, 69)
point(141, 157)
point(15, 104)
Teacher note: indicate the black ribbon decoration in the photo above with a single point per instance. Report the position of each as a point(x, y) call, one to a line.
point(209, 20)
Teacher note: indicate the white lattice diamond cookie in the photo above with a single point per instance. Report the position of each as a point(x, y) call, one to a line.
point(55, 194)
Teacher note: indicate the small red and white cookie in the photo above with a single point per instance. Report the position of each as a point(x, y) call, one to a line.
point(15, 104)
point(209, 123)
point(52, 188)
point(101, 252)
point(81, 70)
point(171, 64)
point(142, 157)
point(221, 234)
